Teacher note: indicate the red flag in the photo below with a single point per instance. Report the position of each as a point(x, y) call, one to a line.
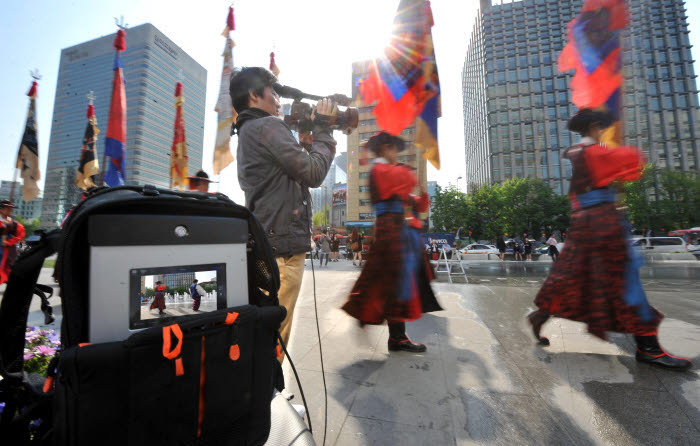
point(178, 154)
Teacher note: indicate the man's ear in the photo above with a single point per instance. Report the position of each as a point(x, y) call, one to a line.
point(252, 97)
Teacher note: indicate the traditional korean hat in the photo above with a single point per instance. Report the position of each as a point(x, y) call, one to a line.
point(382, 138)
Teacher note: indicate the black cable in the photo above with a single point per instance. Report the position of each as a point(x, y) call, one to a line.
point(320, 351)
point(296, 375)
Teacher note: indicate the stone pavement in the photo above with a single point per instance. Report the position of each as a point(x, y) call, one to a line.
point(483, 379)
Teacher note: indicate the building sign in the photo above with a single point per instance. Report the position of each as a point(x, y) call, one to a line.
point(366, 215)
point(340, 195)
point(162, 44)
point(74, 55)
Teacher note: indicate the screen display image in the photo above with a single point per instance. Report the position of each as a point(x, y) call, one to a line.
point(160, 295)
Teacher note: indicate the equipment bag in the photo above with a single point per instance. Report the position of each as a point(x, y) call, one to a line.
point(207, 380)
point(28, 416)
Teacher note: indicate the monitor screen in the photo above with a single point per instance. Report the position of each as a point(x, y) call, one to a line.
point(160, 295)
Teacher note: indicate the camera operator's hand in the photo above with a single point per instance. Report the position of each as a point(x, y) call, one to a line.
point(325, 112)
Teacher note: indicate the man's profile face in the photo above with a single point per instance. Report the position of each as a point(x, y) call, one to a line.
point(269, 101)
point(6, 211)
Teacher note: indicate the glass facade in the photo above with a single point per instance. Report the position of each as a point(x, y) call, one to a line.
point(152, 66)
point(516, 103)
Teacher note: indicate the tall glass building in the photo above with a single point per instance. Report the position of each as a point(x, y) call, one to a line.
point(152, 66)
point(516, 103)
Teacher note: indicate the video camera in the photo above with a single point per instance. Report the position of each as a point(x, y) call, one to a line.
point(299, 118)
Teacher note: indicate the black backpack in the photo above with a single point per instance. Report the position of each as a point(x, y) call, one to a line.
point(207, 379)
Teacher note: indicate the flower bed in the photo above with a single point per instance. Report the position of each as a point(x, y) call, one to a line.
point(40, 346)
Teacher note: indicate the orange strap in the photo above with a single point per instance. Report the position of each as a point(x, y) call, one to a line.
point(83, 344)
point(174, 353)
point(234, 352)
point(179, 369)
point(231, 318)
point(48, 384)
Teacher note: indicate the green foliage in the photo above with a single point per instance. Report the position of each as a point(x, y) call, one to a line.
point(519, 205)
point(29, 226)
point(322, 217)
point(664, 199)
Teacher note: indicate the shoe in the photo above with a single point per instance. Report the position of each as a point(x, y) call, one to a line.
point(405, 345)
point(537, 319)
point(649, 351)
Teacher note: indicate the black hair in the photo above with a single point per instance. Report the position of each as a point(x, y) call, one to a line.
point(249, 79)
point(325, 231)
point(195, 281)
point(582, 121)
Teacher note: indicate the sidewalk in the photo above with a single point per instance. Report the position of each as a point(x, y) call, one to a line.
point(483, 379)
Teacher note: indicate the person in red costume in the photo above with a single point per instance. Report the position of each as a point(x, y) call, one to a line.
point(596, 277)
point(159, 297)
point(12, 233)
point(394, 285)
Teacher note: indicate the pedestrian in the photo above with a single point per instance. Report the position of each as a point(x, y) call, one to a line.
point(596, 280)
point(12, 233)
point(552, 248)
point(527, 247)
point(335, 247)
point(394, 285)
point(159, 297)
point(501, 245)
point(355, 246)
point(325, 243)
point(276, 172)
point(434, 250)
point(517, 250)
point(196, 292)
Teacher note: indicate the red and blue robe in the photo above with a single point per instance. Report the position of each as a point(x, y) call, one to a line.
point(394, 285)
point(159, 298)
point(12, 234)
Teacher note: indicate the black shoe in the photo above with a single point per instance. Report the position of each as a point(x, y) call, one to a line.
point(537, 320)
point(649, 351)
point(406, 345)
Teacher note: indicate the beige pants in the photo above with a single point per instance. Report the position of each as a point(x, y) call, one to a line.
point(291, 272)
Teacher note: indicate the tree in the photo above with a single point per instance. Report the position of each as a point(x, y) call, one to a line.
point(321, 218)
point(449, 209)
point(29, 227)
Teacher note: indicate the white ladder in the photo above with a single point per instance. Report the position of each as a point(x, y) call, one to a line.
point(450, 264)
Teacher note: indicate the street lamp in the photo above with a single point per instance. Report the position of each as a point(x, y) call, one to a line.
point(458, 178)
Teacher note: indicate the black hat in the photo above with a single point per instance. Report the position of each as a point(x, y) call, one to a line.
point(586, 117)
point(200, 176)
point(5, 203)
point(383, 138)
point(158, 281)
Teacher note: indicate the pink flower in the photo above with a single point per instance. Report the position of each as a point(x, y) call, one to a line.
point(28, 356)
point(45, 350)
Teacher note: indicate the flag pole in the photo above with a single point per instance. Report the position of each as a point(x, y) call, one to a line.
point(37, 77)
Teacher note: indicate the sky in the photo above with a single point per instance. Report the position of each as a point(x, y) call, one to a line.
point(315, 42)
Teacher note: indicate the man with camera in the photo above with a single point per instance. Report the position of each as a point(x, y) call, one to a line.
point(276, 172)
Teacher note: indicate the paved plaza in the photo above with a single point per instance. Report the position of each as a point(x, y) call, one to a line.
point(483, 379)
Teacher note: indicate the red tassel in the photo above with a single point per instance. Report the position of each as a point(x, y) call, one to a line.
point(229, 20)
point(120, 41)
point(90, 111)
point(32, 91)
point(178, 89)
point(272, 60)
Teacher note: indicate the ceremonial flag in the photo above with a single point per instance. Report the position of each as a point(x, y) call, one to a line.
point(593, 51)
point(405, 82)
point(115, 141)
point(28, 154)
point(89, 166)
point(225, 118)
point(178, 153)
point(273, 65)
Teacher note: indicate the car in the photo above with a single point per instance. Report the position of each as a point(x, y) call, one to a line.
point(660, 244)
point(478, 248)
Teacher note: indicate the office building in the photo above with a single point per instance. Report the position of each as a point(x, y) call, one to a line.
point(359, 206)
point(516, 103)
point(152, 65)
point(322, 196)
point(29, 210)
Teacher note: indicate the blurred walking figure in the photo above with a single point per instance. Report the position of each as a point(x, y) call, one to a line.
point(596, 281)
point(395, 283)
point(501, 245)
point(12, 233)
point(552, 250)
point(527, 246)
point(196, 291)
point(517, 251)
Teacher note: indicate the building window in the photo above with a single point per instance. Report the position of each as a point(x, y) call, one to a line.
point(365, 202)
point(364, 188)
